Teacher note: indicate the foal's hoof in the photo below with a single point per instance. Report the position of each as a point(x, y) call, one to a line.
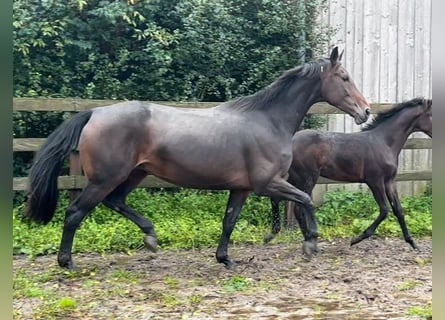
point(228, 263)
point(309, 249)
point(414, 246)
point(151, 243)
point(268, 238)
point(68, 265)
point(354, 241)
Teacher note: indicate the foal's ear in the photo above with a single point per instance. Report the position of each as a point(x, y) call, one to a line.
point(334, 56)
point(341, 55)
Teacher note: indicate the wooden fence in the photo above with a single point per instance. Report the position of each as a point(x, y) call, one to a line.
point(75, 181)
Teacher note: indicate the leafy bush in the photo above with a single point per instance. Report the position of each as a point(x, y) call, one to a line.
point(177, 50)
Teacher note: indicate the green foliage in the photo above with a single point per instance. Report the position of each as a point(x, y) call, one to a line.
point(237, 283)
point(189, 50)
point(193, 219)
point(160, 50)
point(424, 312)
point(345, 212)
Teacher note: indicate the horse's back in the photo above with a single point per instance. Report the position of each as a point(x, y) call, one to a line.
point(335, 155)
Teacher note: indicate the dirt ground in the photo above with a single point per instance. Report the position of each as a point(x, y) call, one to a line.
point(377, 279)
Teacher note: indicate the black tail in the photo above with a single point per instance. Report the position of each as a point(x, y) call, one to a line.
point(43, 192)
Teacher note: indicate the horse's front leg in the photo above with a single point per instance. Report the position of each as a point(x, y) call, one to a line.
point(280, 189)
point(237, 198)
point(276, 220)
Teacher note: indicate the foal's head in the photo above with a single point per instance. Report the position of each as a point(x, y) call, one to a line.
point(424, 121)
point(338, 88)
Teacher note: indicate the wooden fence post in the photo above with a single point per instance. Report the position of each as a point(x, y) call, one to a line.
point(75, 170)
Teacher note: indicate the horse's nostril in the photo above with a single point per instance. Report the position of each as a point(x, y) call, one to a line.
point(368, 111)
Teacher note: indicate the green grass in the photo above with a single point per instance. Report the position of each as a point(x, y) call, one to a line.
point(425, 312)
point(193, 219)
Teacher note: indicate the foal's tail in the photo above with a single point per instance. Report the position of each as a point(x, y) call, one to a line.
point(43, 192)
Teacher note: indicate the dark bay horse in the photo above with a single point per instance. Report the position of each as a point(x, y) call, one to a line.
point(244, 146)
point(370, 156)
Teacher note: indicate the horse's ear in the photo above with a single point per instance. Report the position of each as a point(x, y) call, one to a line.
point(341, 55)
point(334, 56)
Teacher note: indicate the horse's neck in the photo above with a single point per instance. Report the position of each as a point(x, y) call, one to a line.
point(396, 131)
point(290, 109)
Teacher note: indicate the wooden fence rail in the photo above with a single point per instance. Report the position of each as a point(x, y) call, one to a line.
point(76, 181)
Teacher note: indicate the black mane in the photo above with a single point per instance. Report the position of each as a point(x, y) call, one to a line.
point(385, 115)
point(263, 98)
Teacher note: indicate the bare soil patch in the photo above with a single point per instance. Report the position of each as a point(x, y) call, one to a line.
point(377, 279)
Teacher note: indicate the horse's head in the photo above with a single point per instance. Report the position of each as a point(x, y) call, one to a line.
point(338, 89)
point(424, 121)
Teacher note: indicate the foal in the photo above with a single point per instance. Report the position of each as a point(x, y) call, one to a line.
point(370, 156)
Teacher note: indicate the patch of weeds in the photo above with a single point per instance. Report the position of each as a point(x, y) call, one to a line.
point(125, 276)
point(423, 262)
point(195, 299)
point(171, 282)
point(24, 287)
point(90, 283)
point(236, 284)
point(57, 309)
point(425, 312)
point(169, 300)
point(408, 285)
point(332, 296)
point(319, 310)
point(115, 288)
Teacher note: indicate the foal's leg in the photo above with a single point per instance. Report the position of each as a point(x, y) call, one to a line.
point(276, 220)
point(116, 201)
point(280, 189)
point(237, 198)
point(91, 196)
point(378, 190)
point(391, 192)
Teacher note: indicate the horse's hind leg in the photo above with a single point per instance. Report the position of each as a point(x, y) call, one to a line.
point(378, 191)
point(393, 198)
point(92, 195)
point(305, 216)
point(276, 220)
point(280, 189)
point(116, 201)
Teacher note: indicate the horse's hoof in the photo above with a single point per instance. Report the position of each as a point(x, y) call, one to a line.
point(268, 239)
point(229, 264)
point(414, 246)
point(309, 249)
point(68, 265)
point(316, 249)
point(354, 241)
point(151, 243)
